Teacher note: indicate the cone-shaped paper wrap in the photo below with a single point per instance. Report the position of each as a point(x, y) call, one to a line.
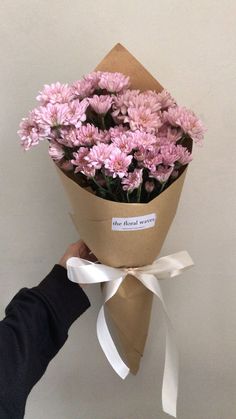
point(119, 240)
point(130, 311)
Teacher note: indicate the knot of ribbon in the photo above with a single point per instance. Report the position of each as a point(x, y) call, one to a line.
point(85, 272)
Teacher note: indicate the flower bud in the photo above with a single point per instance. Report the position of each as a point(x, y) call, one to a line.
point(149, 186)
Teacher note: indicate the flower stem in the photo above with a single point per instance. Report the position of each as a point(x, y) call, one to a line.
point(99, 186)
point(102, 119)
point(109, 188)
point(162, 186)
point(139, 192)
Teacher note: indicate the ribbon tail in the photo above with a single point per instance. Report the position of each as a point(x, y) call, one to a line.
point(171, 372)
point(171, 369)
point(85, 272)
point(104, 335)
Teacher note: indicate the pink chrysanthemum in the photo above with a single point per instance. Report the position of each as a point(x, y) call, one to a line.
point(118, 162)
point(133, 180)
point(162, 174)
point(125, 142)
point(168, 134)
point(82, 89)
point(68, 136)
point(144, 140)
point(87, 134)
point(148, 99)
point(152, 159)
point(55, 93)
point(169, 153)
point(142, 118)
point(165, 100)
point(56, 152)
point(117, 131)
point(113, 82)
point(86, 86)
point(103, 137)
point(188, 121)
point(184, 156)
point(81, 162)
point(101, 104)
point(52, 115)
point(122, 102)
point(98, 154)
point(31, 132)
point(77, 112)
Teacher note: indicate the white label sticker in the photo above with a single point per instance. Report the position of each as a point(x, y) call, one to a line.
point(134, 223)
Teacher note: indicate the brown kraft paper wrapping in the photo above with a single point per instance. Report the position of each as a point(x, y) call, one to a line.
point(130, 308)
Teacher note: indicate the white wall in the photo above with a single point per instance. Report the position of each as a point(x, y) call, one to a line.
point(190, 47)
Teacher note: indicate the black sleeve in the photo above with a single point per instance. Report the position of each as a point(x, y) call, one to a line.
point(34, 329)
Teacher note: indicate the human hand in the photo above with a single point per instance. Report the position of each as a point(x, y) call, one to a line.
point(78, 249)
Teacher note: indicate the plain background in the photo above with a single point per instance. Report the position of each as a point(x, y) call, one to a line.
point(189, 46)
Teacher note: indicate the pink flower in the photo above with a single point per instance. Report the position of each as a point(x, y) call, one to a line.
point(55, 93)
point(152, 159)
point(86, 86)
point(82, 89)
point(140, 155)
point(184, 156)
point(77, 112)
point(124, 142)
point(52, 115)
point(165, 100)
point(79, 158)
point(122, 102)
point(142, 118)
point(101, 104)
point(162, 174)
point(117, 163)
point(168, 134)
point(117, 131)
point(68, 136)
point(31, 132)
point(56, 152)
point(144, 140)
point(94, 78)
point(147, 99)
point(133, 180)
point(87, 134)
point(81, 163)
point(188, 121)
point(169, 153)
point(103, 137)
point(113, 82)
point(98, 154)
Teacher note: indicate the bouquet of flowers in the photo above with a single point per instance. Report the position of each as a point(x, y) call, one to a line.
point(122, 146)
point(125, 144)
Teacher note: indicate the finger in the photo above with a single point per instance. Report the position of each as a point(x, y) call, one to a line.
point(92, 257)
point(84, 251)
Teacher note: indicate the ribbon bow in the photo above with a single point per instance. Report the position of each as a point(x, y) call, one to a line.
point(85, 272)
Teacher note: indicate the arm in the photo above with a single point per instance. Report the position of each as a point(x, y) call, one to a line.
point(34, 329)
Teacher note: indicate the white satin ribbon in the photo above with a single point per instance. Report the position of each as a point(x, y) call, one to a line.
point(85, 272)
